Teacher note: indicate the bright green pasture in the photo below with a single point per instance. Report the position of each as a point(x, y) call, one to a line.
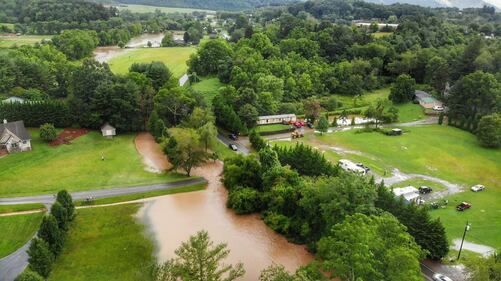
point(272, 128)
point(76, 167)
point(105, 244)
point(175, 59)
point(9, 41)
point(17, 230)
point(20, 208)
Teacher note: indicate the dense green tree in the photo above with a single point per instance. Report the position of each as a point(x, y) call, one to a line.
point(168, 40)
point(187, 151)
point(485, 269)
point(174, 105)
point(208, 135)
point(156, 71)
point(40, 258)
point(76, 44)
point(48, 132)
point(61, 215)
point(322, 125)
point(403, 89)
point(29, 275)
point(50, 232)
point(370, 248)
point(249, 115)
point(242, 171)
point(489, 130)
point(64, 198)
point(200, 259)
point(244, 200)
point(204, 62)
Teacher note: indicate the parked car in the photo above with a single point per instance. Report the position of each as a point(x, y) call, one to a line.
point(438, 108)
point(310, 125)
point(440, 277)
point(233, 137)
point(367, 169)
point(463, 206)
point(233, 147)
point(425, 189)
point(477, 188)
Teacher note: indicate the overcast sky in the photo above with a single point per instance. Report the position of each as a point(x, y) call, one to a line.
point(495, 2)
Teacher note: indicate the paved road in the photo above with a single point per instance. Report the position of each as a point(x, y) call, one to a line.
point(102, 193)
point(15, 263)
point(221, 136)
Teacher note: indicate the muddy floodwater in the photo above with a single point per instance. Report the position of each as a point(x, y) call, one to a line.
point(104, 54)
point(173, 218)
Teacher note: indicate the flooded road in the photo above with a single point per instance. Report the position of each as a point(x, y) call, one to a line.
point(172, 219)
point(104, 54)
point(151, 152)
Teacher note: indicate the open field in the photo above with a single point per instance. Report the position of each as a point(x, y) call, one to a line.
point(9, 41)
point(16, 231)
point(441, 151)
point(76, 167)
point(21, 207)
point(381, 34)
point(208, 86)
point(138, 196)
point(407, 111)
point(105, 243)
point(174, 58)
point(152, 9)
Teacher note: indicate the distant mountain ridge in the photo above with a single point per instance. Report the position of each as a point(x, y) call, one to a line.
point(461, 4)
point(203, 4)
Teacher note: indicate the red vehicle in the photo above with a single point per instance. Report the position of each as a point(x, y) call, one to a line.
point(298, 124)
point(463, 206)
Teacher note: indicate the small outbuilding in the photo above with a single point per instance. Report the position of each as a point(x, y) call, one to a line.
point(108, 131)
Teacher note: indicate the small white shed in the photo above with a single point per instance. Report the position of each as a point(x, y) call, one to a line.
point(108, 131)
point(410, 193)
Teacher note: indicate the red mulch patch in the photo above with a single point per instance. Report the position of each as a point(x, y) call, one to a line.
point(3, 152)
point(67, 135)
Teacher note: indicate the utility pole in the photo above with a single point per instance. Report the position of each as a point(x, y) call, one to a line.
point(466, 228)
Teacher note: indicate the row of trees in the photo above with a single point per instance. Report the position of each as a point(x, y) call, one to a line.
point(48, 244)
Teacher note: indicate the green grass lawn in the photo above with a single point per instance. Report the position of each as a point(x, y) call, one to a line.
point(9, 41)
point(16, 231)
point(440, 151)
point(137, 196)
point(223, 151)
point(106, 243)
point(76, 167)
point(167, 10)
point(381, 34)
point(208, 87)
point(174, 58)
point(21, 207)
point(272, 128)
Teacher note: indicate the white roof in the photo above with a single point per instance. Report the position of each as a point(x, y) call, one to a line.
point(277, 116)
point(408, 192)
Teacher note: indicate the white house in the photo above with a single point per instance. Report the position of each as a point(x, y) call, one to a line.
point(276, 119)
point(108, 131)
point(14, 137)
point(410, 193)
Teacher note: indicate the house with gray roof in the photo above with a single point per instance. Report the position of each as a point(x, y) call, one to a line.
point(14, 137)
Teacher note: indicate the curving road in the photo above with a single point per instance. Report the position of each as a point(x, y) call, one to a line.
point(13, 264)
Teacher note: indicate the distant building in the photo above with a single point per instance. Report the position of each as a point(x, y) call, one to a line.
point(108, 131)
point(13, 100)
point(276, 119)
point(409, 193)
point(213, 35)
point(380, 26)
point(14, 137)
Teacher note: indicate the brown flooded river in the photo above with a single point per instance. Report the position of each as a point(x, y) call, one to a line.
point(104, 54)
point(172, 219)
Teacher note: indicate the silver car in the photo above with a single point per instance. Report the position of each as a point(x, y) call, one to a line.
point(477, 188)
